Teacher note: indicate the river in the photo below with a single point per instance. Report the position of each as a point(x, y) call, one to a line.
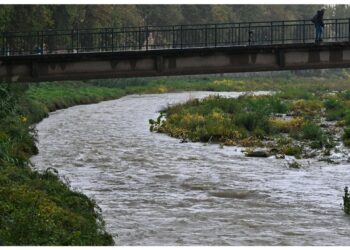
point(154, 190)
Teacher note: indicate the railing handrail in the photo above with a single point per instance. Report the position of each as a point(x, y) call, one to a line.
point(132, 28)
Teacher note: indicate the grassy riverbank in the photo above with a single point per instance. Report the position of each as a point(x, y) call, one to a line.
point(37, 208)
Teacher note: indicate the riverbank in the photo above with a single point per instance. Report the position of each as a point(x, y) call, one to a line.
point(37, 208)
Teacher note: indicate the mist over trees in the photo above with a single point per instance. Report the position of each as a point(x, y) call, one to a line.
point(39, 17)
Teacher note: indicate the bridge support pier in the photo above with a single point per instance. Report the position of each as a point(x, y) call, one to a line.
point(280, 58)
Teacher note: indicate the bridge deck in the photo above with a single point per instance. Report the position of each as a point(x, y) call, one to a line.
point(93, 65)
point(172, 50)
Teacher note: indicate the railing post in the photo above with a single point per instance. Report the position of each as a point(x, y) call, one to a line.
point(42, 42)
point(249, 34)
point(106, 39)
point(139, 40)
point(283, 32)
point(72, 40)
point(232, 36)
point(215, 35)
point(349, 29)
point(147, 37)
point(102, 44)
point(336, 29)
point(304, 24)
point(181, 36)
point(112, 39)
point(239, 33)
point(77, 40)
point(122, 39)
point(206, 36)
point(173, 28)
point(271, 33)
point(37, 42)
point(3, 44)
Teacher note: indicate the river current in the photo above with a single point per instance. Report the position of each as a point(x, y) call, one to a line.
point(154, 190)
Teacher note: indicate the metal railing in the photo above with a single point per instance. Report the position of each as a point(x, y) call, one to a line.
point(170, 37)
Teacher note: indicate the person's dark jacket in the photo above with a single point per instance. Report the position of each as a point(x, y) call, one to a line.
point(318, 18)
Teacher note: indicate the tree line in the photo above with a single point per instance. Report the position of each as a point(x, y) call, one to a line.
point(41, 17)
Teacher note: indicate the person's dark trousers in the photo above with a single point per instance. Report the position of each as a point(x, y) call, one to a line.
point(319, 31)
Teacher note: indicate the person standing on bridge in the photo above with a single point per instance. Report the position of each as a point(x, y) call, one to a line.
point(319, 24)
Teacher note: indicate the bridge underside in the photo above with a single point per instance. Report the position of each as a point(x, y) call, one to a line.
point(173, 62)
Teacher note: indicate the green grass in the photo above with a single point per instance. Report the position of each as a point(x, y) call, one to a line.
point(305, 87)
point(38, 209)
point(52, 96)
point(313, 132)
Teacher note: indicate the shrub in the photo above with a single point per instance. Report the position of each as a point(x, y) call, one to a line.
point(247, 120)
point(294, 164)
point(309, 107)
point(286, 125)
point(345, 95)
point(311, 131)
point(291, 149)
point(347, 117)
point(295, 94)
point(334, 114)
point(346, 133)
point(332, 103)
point(346, 137)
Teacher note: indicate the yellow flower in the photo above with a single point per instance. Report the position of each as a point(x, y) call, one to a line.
point(224, 82)
point(162, 89)
point(23, 119)
point(217, 115)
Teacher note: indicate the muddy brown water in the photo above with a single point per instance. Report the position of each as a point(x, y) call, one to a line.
point(154, 190)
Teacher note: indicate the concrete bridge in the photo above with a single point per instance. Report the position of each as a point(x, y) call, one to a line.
point(172, 50)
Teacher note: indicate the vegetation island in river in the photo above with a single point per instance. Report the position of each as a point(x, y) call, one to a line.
point(304, 121)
